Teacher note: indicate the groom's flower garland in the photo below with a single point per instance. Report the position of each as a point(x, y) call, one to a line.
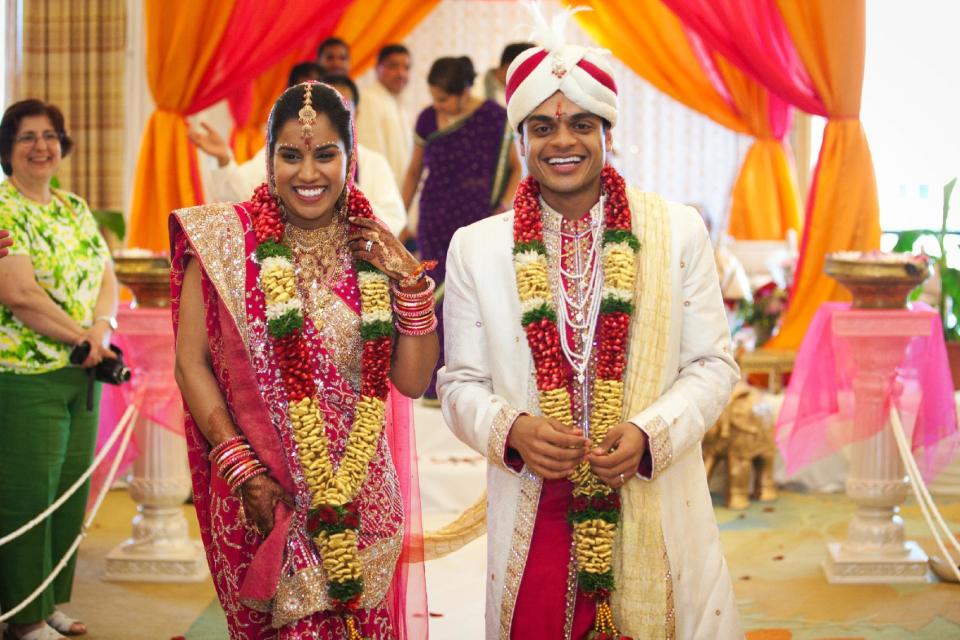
point(333, 519)
point(595, 512)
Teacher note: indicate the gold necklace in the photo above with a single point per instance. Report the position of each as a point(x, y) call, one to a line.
point(321, 259)
point(310, 239)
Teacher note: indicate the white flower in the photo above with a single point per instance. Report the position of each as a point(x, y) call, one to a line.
point(275, 262)
point(382, 315)
point(533, 303)
point(278, 309)
point(527, 257)
point(623, 295)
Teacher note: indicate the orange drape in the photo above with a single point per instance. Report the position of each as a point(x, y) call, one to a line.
point(843, 212)
point(368, 25)
point(764, 203)
point(182, 38)
point(649, 38)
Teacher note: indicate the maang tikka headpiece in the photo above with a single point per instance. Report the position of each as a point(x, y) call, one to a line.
point(307, 114)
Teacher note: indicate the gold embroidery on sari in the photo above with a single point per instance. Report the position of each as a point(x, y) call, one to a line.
point(216, 235)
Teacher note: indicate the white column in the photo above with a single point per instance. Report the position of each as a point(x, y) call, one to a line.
point(876, 550)
point(160, 548)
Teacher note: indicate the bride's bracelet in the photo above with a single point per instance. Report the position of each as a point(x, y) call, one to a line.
point(236, 462)
point(413, 278)
point(414, 311)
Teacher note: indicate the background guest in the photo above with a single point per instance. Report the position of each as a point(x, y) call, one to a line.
point(333, 55)
point(59, 291)
point(382, 124)
point(464, 144)
point(494, 82)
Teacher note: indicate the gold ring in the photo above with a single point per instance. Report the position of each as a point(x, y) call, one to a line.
point(622, 480)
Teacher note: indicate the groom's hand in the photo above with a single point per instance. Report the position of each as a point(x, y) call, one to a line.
point(550, 448)
point(617, 458)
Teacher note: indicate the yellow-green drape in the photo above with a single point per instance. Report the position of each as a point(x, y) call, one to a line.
point(182, 38)
point(843, 213)
point(649, 38)
point(368, 25)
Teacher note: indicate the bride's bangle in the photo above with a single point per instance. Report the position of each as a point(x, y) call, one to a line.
point(412, 279)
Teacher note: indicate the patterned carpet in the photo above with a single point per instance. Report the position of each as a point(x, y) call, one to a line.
point(774, 552)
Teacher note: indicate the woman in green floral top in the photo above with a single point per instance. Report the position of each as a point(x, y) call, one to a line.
point(59, 290)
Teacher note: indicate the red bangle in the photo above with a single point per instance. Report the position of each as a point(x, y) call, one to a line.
point(430, 328)
point(223, 445)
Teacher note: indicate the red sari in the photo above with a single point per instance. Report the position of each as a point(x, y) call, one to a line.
point(275, 587)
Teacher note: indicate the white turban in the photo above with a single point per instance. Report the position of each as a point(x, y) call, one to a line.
point(583, 75)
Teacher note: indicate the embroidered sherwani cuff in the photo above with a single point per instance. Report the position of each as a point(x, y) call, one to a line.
point(659, 451)
point(497, 451)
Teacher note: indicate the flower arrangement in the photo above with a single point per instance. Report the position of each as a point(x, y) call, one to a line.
point(763, 313)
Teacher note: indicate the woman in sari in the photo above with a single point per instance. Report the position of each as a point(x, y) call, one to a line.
point(300, 447)
point(464, 145)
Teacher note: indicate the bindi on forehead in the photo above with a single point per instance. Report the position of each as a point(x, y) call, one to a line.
point(558, 114)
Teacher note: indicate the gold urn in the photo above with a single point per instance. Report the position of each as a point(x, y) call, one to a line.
point(878, 280)
point(146, 274)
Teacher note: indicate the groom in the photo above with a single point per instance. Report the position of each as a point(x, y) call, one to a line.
point(587, 352)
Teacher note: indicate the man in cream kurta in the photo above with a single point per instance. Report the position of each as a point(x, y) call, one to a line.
point(383, 124)
point(671, 578)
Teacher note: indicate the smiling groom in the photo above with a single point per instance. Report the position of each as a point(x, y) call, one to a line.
point(587, 350)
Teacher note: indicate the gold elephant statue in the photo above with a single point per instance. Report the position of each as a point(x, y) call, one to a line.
point(744, 436)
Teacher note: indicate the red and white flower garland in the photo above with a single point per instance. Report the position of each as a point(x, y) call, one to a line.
point(333, 520)
point(595, 513)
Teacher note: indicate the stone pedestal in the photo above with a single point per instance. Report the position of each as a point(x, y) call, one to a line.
point(875, 550)
point(160, 548)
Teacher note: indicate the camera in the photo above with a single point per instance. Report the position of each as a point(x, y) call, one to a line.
point(110, 370)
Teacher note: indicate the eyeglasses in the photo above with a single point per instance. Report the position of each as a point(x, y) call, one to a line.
point(30, 139)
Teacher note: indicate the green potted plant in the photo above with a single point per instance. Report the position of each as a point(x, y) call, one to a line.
point(949, 277)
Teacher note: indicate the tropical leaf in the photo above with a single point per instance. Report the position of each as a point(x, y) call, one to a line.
point(950, 288)
point(907, 238)
point(112, 221)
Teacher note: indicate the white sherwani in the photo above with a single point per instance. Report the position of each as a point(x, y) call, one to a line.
point(670, 572)
point(383, 125)
point(235, 183)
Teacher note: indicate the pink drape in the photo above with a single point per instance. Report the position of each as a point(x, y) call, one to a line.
point(752, 35)
point(259, 34)
point(817, 417)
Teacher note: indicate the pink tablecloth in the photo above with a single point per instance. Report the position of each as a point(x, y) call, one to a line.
point(817, 415)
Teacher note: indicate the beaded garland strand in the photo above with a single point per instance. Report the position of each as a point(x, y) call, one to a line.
point(333, 520)
point(595, 512)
